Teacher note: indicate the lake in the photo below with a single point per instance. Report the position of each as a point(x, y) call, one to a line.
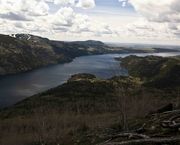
point(14, 88)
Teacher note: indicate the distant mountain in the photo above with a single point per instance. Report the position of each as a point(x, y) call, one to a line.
point(24, 52)
point(144, 46)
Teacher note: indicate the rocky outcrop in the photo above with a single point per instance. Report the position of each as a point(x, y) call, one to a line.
point(159, 128)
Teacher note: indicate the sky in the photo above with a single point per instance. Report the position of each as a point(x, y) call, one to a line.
point(121, 21)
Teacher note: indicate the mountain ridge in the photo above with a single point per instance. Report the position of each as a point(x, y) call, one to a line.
point(25, 52)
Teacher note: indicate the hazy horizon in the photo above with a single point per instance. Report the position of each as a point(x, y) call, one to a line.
point(111, 43)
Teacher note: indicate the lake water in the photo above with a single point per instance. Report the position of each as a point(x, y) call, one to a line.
point(17, 87)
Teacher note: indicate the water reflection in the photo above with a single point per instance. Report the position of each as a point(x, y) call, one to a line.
point(17, 87)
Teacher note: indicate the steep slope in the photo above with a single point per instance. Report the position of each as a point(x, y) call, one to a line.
point(23, 52)
point(17, 56)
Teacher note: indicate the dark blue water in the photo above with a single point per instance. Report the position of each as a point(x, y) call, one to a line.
point(17, 87)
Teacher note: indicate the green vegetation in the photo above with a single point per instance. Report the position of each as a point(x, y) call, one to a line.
point(87, 110)
point(24, 52)
point(154, 71)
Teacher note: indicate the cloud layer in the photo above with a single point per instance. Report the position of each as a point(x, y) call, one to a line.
point(25, 14)
point(86, 4)
point(157, 19)
point(23, 10)
point(164, 12)
point(158, 11)
point(36, 16)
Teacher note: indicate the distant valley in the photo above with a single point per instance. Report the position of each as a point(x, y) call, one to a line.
point(24, 52)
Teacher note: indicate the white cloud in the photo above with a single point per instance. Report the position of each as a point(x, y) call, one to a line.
point(64, 2)
point(86, 4)
point(35, 15)
point(65, 19)
point(158, 11)
point(64, 16)
point(149, 30)
point(81, 24)
point(60, 18)
point(22, 10)
point(123, 2)
point(40, 9)
point(161, 18)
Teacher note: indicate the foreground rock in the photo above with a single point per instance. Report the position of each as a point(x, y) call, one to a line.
point(161, 128)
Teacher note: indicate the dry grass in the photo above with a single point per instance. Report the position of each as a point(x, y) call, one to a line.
point(52, 127)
